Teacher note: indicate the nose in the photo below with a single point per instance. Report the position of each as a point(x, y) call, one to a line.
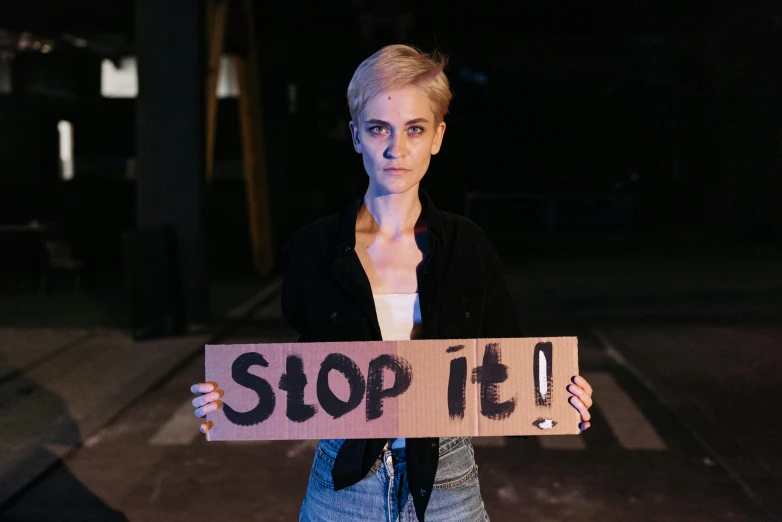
point(397, 147)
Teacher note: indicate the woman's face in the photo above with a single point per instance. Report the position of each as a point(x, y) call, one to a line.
point(396, 135)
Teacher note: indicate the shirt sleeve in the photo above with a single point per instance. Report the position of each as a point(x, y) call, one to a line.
point(292, 295)
point(499, 317)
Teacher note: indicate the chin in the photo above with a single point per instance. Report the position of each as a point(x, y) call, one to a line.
point(396, 186)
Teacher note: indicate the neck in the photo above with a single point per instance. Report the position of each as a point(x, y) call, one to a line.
point(389, 214)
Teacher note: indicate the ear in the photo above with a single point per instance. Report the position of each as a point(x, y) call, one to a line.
point(439, 132)
point(354, 135)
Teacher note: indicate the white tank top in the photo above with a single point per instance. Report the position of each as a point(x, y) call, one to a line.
point(399, 316)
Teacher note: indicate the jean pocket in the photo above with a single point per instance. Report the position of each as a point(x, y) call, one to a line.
point(456, 467)
point(321, 469)
point(330, 447)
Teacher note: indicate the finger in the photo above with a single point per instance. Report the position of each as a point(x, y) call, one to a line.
point(577, 390)
point(202, 411)
point(202, 387)
point(212, 406)
point(583, 426)
point(582, 409)
point(583, 384)
point(207, 398)
point(206, 427)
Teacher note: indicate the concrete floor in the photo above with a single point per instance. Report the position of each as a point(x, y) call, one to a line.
point(681, 351)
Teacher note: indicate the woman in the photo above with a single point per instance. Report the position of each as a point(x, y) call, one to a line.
point(392, 266)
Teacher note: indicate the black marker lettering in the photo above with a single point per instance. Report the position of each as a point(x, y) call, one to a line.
point(457, 382)
point(266, 399)
point(293, 381)
point(332, 404)
point(403, 376)
point(490, 374)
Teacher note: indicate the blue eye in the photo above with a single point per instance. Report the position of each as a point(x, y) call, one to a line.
point(377, 129)
point(415, 130)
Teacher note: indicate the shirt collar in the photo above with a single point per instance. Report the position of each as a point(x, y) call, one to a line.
point(345, 239)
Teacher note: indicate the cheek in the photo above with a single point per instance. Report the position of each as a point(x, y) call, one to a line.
point(368, 162)
point(421, 152)
point(371, 156)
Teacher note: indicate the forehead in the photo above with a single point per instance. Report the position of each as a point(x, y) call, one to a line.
point(404, 104)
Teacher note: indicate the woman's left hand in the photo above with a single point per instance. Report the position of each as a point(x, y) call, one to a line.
point(581, 399)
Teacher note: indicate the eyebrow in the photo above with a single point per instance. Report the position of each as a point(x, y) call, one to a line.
point(411, 122)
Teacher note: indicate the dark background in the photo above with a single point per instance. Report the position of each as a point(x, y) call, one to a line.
point(615, 123)
point(624, 156)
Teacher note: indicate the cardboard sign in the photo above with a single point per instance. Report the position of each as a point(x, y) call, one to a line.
point(389, 389)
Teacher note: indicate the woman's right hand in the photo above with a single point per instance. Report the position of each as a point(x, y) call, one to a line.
point(207, 400)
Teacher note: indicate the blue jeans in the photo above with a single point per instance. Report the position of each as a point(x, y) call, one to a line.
point(383, 495)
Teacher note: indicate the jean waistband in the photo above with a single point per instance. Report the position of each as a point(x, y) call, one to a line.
point(398, 455)
point(447, 444)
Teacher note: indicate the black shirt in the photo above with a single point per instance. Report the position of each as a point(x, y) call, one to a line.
point(326, 296)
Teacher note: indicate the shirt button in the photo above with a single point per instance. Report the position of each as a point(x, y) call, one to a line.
point(424, 270)
point(422, 492)
point(348, 248)
point(434, 444)
point(467, 315)
point(428, 307)
point(334, 315)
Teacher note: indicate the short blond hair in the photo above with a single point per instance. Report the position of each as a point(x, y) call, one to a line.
point(399, 66)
